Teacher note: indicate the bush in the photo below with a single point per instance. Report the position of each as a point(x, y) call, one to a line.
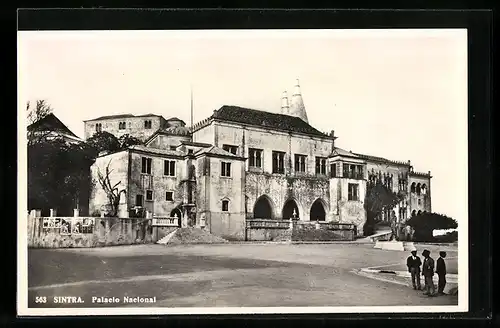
point(449, 237)
point(425, 223)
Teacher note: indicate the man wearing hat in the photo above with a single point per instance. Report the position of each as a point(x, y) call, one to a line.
point(441, 272)
point(428, 273)
point(413, 263)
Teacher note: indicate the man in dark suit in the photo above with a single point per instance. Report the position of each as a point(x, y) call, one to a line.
point(428, 273)
point(413, 263)
point(441, 272)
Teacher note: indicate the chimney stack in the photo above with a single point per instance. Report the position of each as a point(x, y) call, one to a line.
point(284, 103)
point(297, 107)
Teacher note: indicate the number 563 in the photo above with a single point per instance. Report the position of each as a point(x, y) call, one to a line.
point(40, 299)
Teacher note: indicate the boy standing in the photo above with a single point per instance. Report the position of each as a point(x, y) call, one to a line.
point(413, 263)
point(441, 272)
point(428, 273)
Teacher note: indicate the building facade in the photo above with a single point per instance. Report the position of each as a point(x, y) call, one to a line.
point(241, 164)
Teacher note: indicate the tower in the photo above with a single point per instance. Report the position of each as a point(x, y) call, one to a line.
point(297, 107)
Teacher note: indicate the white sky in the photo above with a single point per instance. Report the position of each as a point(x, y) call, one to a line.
point(400, 94)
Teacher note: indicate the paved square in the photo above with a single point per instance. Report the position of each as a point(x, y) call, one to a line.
point(235, 275)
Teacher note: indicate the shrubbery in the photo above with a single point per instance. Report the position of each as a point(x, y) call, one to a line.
point(424, 224)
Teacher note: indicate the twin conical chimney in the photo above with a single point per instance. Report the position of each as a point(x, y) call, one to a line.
point(296, 107)
point(284, 103)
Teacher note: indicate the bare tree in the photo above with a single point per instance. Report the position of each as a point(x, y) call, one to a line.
point(41, 110)
point(112, 191)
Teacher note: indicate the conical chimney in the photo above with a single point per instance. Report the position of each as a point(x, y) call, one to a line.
point(297, 107)
point(284, 103)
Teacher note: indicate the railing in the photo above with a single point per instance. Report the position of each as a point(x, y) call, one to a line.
point(268, 223)
point(353, 175)
point(165, 222)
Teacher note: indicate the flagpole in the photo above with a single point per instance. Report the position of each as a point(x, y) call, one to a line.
point(191, 87)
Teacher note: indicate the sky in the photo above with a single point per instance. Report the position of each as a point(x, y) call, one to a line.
point(398, 94)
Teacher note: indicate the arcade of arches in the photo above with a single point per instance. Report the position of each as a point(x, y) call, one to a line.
point(263, 209)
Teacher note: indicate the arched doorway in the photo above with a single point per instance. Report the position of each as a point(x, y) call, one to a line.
point(263, 208)
point(318, 212)
point(289, 209)
point(419, 212)
point(413, 213)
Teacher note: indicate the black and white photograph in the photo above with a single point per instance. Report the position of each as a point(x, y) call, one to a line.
point(242, 171)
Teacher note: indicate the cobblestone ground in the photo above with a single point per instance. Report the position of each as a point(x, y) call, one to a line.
point(255, 275)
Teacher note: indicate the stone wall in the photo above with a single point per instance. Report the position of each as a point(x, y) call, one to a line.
point(279, 230)
point(309, 231)
point(46, 232)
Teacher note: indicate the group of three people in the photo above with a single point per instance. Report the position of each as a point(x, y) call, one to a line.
point(413, 263)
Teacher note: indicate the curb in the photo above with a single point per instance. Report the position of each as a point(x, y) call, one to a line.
point(451, 278)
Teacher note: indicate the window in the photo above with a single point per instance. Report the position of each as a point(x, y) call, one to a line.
point(98, 127)
point(300, 163)
point(169, 196)
point(353, 191)
point(278, 162)
point(320, 165)
point(139, 200)
point(353, 171)
point(173, 148)
point(147, 124)
point(231, 149)
point(149, 195)
point(190, 151)
point(225, 169)
point(146, 165)
point(333, 170)
point(225, 205)
point(255, 157)
point(122, 125)
point(419, 202)
point(169, 168)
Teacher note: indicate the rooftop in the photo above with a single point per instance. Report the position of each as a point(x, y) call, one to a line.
point(381, 159)
point(265, 119)
point(51, 123)
point(216, 151)
point(157, 151)
point(108, 117)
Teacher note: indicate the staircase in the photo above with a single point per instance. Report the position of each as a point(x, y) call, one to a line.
point(383, 232)
point(167, 238)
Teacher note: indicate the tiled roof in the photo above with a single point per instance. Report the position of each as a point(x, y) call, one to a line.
point(51, 123)
point(380, 159)
point(265, 119)
point(216, 151)
point(156, 151)
point(341, 152)
point(196, 144)
point(107, 117)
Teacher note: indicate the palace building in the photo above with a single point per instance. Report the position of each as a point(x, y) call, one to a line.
point(241, 164)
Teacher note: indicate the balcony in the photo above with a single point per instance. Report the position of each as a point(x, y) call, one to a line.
point(354, 175)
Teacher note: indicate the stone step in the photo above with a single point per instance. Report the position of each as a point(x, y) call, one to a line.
point(167, 238)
